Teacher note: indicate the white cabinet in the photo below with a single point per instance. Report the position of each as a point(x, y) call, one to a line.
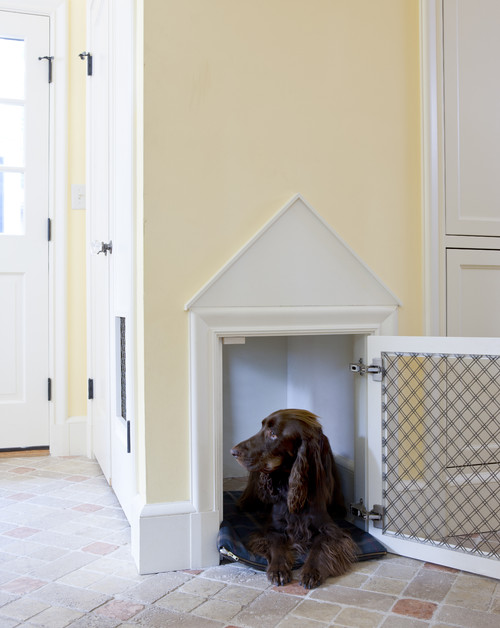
point(470, 241)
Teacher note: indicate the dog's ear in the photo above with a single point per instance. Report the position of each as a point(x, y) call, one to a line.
point(299, 480)
point(311, 472)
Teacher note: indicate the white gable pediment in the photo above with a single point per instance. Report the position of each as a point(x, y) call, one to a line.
point(296, 260)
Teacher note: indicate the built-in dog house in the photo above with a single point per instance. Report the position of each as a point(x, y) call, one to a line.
point(296, 319)
point(278, 327)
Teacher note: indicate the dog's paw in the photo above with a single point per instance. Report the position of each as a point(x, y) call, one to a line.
point(279, 576)
point(310, 578)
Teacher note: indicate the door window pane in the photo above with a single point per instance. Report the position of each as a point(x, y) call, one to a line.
point(12, 93)
point(11, 135)
point(12, 203)
point(11, 68)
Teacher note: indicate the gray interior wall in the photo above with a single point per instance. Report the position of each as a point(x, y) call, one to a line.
point(319, 380)
point(269, 373)
point(254, 385)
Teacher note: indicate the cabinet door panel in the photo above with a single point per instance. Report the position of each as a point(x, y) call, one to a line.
point(473, 293)
point(472, 116)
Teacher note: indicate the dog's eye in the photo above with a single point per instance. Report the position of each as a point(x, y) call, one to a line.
point(272, 434)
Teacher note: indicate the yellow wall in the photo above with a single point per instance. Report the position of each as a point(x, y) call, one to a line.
point(77, 333)
point(245, 104)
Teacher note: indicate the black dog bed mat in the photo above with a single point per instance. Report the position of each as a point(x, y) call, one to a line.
point(237, 526)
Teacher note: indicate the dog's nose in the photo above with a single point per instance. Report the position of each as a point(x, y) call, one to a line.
point(235, 452)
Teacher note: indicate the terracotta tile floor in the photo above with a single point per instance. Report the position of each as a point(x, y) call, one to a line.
point(65, 561)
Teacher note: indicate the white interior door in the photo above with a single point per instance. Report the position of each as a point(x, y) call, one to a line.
point(24, 212)
point(110, 220)
point(433, 449)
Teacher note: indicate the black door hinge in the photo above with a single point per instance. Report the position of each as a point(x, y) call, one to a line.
point(49, 389)
point(82, 56)
point(49, 229)
point(91, 388)
point(49, 59)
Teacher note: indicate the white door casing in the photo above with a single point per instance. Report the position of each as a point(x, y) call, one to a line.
point(121, 130)
point(24, 247)
point(98, 234)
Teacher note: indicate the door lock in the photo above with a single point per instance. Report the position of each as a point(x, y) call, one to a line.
point(102, 247)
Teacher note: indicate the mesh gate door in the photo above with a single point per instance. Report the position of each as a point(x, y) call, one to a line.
point(441, 450)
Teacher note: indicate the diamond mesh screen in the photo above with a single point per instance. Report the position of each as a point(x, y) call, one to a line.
point(441, 450)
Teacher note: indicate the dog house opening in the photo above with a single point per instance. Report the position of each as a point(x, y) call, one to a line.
point(264, 374)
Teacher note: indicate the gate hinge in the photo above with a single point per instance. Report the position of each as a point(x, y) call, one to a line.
point(374, 369)
point(49, 389)
point(91, 389)
point(49, 229)
point(376, 514)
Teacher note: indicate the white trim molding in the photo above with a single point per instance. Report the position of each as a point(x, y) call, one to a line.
point(172, 535)
point(207, 328)
point(268, 289)
point(433, 190)
point(59, 177)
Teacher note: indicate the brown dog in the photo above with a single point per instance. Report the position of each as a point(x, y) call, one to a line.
point(294, 480)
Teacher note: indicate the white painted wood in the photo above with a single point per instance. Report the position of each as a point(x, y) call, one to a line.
point(433, 202)
point(98, 230)
point(472, 118)
point(123, 464)
point(187, 537)
point(37, 7)
point(473, 294)
point(60, 426)
point(295, 259)
point(24, 276)
point(437, 238)
point(373, 451)
point(170, 536)
point(62, 442)
point(111, 153)
point(207, 328)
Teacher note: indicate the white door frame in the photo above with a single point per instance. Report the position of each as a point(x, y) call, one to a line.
point(57, 10)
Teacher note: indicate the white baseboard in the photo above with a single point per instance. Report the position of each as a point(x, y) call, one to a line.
point(69, 438)
point(172, 536)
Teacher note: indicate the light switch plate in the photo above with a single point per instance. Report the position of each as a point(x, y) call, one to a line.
point(77, 196)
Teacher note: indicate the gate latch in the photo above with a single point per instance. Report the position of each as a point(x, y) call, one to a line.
point(376, 514)
point(374, 369)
